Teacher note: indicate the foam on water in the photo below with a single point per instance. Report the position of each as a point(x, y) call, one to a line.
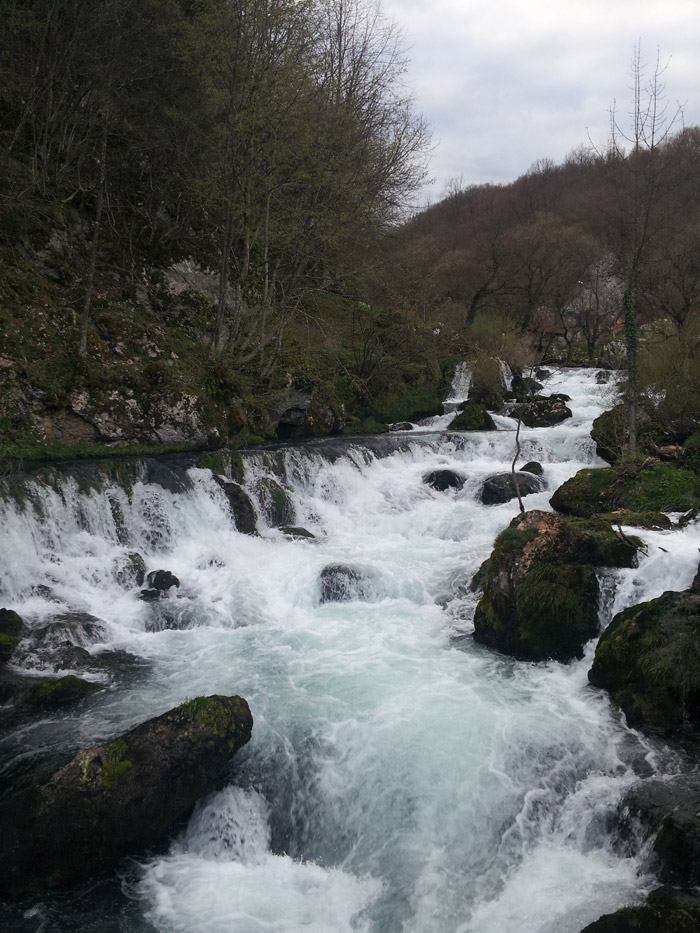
point(400, 777)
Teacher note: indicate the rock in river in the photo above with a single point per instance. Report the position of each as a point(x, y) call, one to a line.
point(118, 797)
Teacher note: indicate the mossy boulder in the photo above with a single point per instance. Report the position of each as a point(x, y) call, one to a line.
point(542, 412)
point(119, 797)
point(648, 659)
point(472, 417)
point(664, 911)
point(650, 486)
point(540, 590)
point(610, 432)
point(55, 693)
point(10, 627)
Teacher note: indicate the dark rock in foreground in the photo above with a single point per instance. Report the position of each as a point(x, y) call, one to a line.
point(665, 911)
point(501, 487)
point(444, 479)
point(119, 797)
point(540, 591)
point(648, 659)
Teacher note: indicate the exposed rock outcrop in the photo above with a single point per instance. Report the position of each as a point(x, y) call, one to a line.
point(542, 412)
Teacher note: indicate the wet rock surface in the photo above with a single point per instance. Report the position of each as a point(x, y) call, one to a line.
point(540, 590)
point(648, 659)
point(442, 480)
point(501, 487)
point(119, 797)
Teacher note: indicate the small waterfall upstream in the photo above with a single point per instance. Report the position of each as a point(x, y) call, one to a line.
point(400, 778)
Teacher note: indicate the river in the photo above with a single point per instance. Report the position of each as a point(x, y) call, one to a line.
point(400, 778)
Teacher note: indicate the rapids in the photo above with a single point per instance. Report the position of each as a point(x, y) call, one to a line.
point(400, 777)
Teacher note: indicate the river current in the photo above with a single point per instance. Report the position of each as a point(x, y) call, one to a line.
point(400, 778)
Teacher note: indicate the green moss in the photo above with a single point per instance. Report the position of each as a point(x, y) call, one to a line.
point(7, 646)
point(473, 417)
point(193, 707)
point(216, 461)
point(59, 692)
point(114, 762)
point(662, 487)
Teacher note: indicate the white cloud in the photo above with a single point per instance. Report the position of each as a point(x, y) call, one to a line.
point(505, 82)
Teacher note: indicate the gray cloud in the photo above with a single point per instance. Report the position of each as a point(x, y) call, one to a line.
point(506, 82)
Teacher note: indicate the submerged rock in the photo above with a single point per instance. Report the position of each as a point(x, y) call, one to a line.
point(648, 659)
point(130, 570)
point(444, 479)
point(119, 797)
point(59, 692)
point(540, 591)
point(340, 583)
point(292, 531)
point(501, 487)
point(162, 580)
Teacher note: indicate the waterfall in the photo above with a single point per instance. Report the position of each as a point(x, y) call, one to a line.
point(400, 777)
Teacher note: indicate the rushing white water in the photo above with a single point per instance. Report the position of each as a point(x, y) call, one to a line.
point(400, 777)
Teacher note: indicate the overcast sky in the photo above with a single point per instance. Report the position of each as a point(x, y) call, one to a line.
point(506, 82)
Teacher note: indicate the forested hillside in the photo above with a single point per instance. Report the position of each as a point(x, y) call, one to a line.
point(206, 233)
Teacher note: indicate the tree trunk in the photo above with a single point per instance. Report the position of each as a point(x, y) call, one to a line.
point(85, 318)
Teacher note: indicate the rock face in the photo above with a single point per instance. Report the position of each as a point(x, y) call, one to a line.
point(540, 591)
point(542, 412)
point(276, 503)
point(501, 487)
point(119, 797)
point(444, 479)
point(665, 911)
point(649, 660)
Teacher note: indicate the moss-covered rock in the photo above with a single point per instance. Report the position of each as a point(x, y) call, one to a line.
point(649, 486)
point(275, 502)
point(10, 627)
point(59, 692)
point(119, 797)
point(648, 659)
point(610, 433)
point(540, 591)
point(472, 417)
